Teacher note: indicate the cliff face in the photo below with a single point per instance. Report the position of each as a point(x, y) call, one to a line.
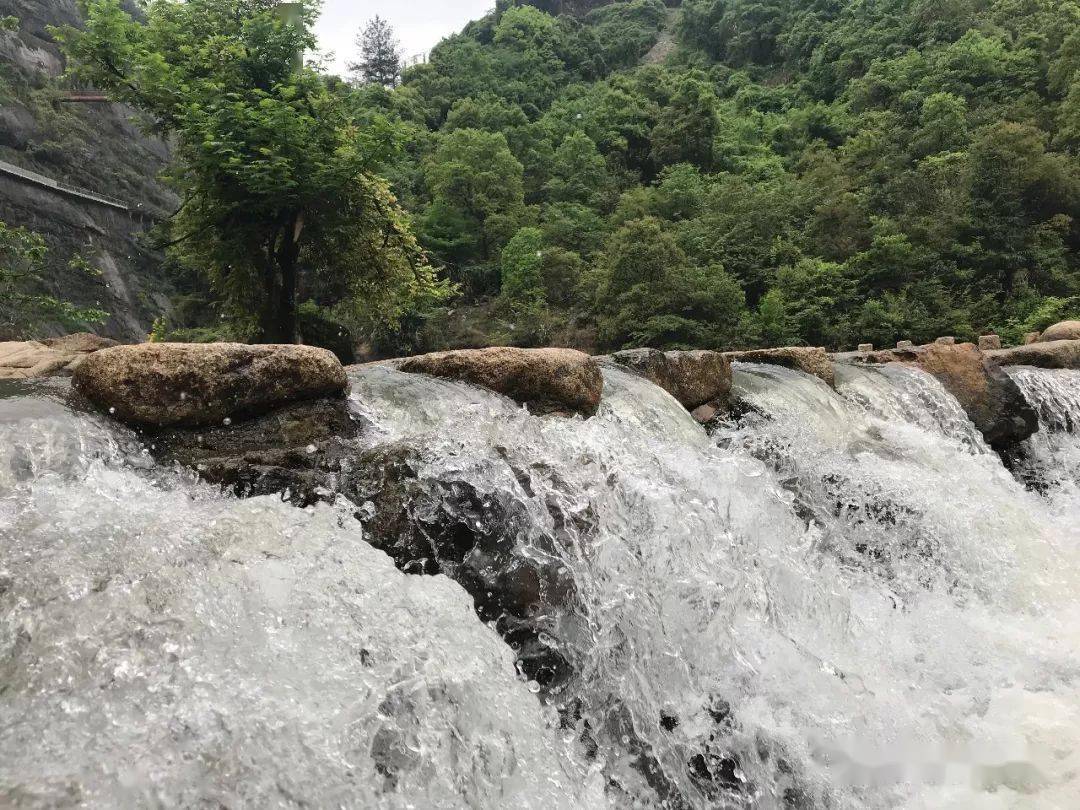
point(97, 147)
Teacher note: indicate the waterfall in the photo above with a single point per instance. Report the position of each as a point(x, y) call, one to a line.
point(1050, 460)
point(834, 599)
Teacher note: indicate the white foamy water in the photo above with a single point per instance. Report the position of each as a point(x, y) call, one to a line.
point(1050, 460)
point(839, 600)
point(163, 646)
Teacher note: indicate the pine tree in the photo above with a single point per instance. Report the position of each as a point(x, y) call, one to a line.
point(380, 59)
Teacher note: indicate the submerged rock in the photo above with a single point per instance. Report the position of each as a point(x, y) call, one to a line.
point(30, 359)
point(298, 451)
point(695, 378)
point(560, 381)
point(193, 385)
point(485, 540)
point(1052, 354)
point(1065, 330)
point(987, 394)
point(809, 360)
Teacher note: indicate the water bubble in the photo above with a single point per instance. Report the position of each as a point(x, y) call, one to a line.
point(226, 421)
point(112, 410)
point(311, 449)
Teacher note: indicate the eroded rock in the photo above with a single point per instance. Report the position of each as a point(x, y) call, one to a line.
point(694, 378)
point(810, 360)
point(560, 381)
point(195, 385)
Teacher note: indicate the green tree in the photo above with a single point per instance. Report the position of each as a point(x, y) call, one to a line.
point(687, 126)
point(522, 263)
point(277, 175)
point(579, 173)
point(380, 55)
point(24, 304)
point(475, 179)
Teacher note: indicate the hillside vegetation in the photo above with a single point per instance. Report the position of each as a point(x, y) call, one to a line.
point(824, 171)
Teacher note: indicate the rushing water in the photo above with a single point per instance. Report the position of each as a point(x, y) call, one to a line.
point(835, 600)
point(1050, 460)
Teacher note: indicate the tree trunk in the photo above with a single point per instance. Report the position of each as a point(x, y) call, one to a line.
point(282, 328)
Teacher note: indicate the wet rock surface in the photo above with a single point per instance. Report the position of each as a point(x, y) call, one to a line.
point(486, 541)
point(694, 378)
point(547, 381)
point(175, 384)
point(987, 394)
point(809, 360)
point(299, 451)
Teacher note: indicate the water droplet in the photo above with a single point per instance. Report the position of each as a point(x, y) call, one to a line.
point(533, 687)
point(311, 449)
point(226, 421)
point(112, 410)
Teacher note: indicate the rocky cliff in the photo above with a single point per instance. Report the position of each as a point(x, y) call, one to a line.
point(93, 146)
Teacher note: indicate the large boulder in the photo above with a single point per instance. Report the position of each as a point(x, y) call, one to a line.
point(561, 381)
point(987, 394)
point(694, 378)
point(29, 359)
point(1065, 330)
point(180, 384)
point(809, 360)
point(1054, 354)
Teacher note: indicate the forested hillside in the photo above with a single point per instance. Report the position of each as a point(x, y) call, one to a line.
point(98, 147)
point(821, 171)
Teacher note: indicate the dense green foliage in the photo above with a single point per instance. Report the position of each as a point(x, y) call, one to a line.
point(277, 172)
point(25, 305)
point(822, 171)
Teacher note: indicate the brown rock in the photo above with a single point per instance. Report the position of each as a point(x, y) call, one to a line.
point(1031, 337)
point(21, 360)
point(694, 378)
point(989, 343)
point(866, 348)
point(80, 343)
point(987, 394)
point(560, 381)
point(1066, 330)
point(905, 344)
point(949, 340)
point(1054, 354)
point(180, 384)
point(810, 360)
point(50, 357)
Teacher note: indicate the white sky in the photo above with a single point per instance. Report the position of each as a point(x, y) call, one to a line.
point(419, 24)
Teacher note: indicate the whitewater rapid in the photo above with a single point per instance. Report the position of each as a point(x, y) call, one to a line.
point(835, 599)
